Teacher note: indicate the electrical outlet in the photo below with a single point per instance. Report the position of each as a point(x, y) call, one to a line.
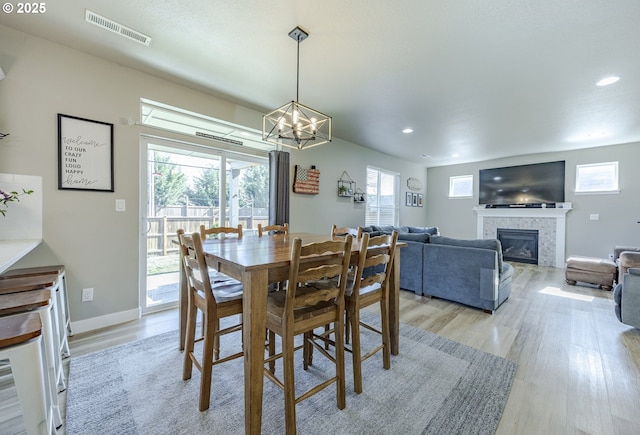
point(594, 216)
point(87, 294)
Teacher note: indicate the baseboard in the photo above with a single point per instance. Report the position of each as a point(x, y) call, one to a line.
point(104, 321)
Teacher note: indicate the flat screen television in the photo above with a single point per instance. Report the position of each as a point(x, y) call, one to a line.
point(524, 185)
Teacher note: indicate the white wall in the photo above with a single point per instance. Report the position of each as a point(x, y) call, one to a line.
point(82, 230)
point(618, 213)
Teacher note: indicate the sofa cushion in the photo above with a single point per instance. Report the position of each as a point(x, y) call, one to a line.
point(388, 229)
point(493, 244)
point(424, 230)
point(417, 237)
point(617, 293)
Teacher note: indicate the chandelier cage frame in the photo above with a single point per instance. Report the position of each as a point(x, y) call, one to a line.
point(295, 125)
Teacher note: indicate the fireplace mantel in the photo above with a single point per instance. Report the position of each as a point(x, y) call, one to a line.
point(528, 216)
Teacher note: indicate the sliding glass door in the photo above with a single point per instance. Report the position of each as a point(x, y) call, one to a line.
point(187, 186)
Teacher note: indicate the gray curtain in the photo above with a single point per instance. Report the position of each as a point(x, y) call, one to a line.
point(278, 187)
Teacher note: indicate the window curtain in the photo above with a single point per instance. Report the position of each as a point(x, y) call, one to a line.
point(278, 187)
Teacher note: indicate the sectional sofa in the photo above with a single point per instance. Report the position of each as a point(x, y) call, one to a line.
point(470, 272)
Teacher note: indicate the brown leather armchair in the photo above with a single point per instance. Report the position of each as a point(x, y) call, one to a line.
point(626, 257)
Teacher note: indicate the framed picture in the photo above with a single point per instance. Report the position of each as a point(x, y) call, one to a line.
point(419, 199)
point(409, 200)
point(415, 199)
point(85, 154)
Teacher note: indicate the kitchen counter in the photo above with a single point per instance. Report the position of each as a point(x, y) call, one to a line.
point(13, 250)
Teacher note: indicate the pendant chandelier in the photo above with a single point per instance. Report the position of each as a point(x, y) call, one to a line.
point(296, 125)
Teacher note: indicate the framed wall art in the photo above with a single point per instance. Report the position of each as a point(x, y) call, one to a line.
point(409, 200)
point(85, 154)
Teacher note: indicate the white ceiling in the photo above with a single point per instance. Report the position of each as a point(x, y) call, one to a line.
point(481, 79)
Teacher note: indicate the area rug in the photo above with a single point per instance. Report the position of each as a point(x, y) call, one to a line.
point(435, 386)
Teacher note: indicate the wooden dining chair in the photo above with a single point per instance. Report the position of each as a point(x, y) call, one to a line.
point(370, 286)
point(284, 228)
point(217, 231)
point(343, 231)
point(215, 301)
point(304, 306)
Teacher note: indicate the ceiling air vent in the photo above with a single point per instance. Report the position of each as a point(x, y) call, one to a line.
point(106, 23)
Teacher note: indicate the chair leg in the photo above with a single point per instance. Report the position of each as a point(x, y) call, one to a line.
point(207, 361)
point(386, 334)
point(272, 350)
point(307, 349)
point(340, 384)
point(356, 352)
point(216, 341)
point(347, 326)
point(289, 382)
point(190, 336)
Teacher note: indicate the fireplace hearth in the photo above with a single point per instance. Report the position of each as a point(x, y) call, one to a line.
point(519, 245)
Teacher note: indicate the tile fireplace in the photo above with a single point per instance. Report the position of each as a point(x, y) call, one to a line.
point(550, 223)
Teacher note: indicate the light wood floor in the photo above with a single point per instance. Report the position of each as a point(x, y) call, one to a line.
point(578, 367)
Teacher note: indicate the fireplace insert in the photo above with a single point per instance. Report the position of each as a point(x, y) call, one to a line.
point(519, 245)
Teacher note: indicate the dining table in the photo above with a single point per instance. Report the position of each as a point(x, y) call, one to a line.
point(258, 262)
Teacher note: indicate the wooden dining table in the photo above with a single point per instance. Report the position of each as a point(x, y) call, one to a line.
point(258, 262)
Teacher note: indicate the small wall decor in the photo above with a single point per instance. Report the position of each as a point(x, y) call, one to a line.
point(359, 196)
point(85, 154)
point(419, 199)
point(346, 185)
point(414, 183)
point(409, 200)
point(306, 181)
point(414, 199)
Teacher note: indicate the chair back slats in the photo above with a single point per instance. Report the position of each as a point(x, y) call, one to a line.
point(343, 231)
point(275, 229)
point(376, 258)
point(195, 266)
point(220, 231)
point(317, 272)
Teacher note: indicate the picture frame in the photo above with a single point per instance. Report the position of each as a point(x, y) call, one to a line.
point(409, 200)
point(415, 199)
point(85, 154)
point(419, 199)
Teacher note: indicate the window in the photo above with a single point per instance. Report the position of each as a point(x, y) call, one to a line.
point(383, 199)
point(461, 186)
point(597, 178)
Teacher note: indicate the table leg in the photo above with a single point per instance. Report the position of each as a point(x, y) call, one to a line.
point(254, 324)
point(394, 304)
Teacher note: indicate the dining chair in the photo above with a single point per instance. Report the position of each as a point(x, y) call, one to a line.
point(215, 301)
point(217, 231)
point(284, 228)
point(304, 306)
point(370, 286)
point(343, 231)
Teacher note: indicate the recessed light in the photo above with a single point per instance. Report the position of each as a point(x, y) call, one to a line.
point(407, 130)
point(608, 81)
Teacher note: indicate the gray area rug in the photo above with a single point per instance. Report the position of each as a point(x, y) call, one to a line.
point(435, 386)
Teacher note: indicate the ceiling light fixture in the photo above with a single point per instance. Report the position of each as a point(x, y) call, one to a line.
point(295, 125)
point(407, 130)
point(608, 81)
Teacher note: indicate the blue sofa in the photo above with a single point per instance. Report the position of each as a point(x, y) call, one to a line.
point(470, 272)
